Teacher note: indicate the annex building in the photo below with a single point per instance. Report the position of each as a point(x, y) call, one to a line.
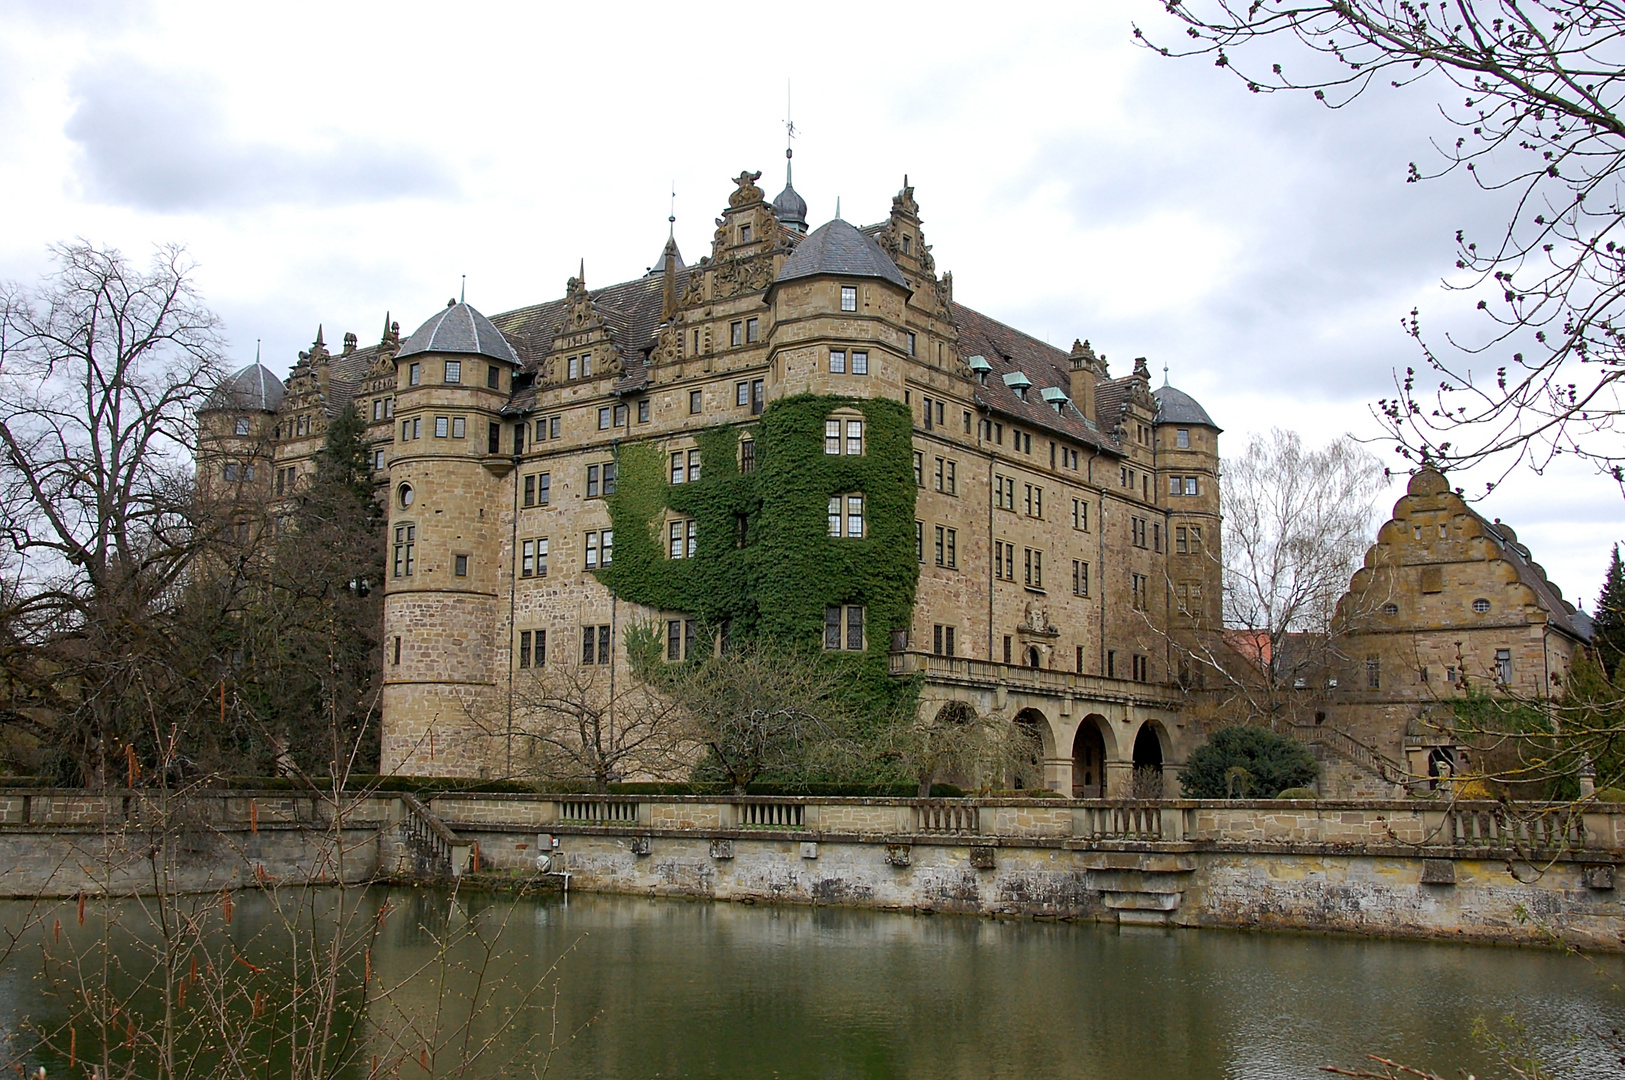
point(804, 432)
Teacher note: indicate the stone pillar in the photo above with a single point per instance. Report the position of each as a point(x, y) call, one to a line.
point(1058, 775)
point(1118, 775)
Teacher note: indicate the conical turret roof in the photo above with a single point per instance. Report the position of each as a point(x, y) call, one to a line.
point(459, 330)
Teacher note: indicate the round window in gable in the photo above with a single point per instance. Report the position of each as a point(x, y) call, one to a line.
point(404, 493)
point(1390, 609)
point(1481, 605)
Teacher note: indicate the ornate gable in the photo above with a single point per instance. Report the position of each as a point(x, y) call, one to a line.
point(585, 336)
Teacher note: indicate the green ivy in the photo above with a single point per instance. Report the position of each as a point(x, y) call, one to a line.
point(766, 567)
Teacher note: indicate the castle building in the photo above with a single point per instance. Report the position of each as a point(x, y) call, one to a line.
point(803, 434)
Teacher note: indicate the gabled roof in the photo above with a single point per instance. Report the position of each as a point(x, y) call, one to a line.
point(459, 330)
point(1531, 573)
point(253, 389)
point(1008, 350)
point(837, 247)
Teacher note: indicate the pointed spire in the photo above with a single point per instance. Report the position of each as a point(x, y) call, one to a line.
point(581, 274)
point(837, 208)
point(1165, 373)
point(463, 295)
point(319, 340)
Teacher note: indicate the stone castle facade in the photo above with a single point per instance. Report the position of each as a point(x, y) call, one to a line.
point(1064, 527)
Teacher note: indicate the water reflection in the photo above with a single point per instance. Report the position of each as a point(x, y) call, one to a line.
point(674, 989)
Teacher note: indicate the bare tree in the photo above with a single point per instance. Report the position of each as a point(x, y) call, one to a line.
point(758, 712)
point(102, 369)
point(960, 745)
point(1297, 523)
point(578, 728)
point(1538, 120)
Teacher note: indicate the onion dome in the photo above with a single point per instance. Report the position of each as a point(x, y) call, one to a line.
point(1178, 407)
point(789, 207)
point(252, 389)
point(839, 248)
point(459, 330)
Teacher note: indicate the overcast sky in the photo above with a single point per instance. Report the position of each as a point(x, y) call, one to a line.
point(328, 162)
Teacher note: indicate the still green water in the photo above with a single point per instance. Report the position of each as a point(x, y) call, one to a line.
point(662, 988)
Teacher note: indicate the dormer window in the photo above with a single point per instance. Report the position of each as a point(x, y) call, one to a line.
point(744, 233)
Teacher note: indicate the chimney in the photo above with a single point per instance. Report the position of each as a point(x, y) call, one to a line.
point(1083, 378)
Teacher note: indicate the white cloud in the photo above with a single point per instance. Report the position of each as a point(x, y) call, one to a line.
point(330, 162)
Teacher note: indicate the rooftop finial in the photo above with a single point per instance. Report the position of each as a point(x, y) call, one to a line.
point(256, 350)
point(463, 296)
point(1165, 373)
point(837, 206)
point(671, 218)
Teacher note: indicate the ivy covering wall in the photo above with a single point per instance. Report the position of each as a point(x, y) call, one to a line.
point(766, 567)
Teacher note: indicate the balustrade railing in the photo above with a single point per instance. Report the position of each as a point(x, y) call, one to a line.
point(598, 812)
point(769, 815)
point(1129, 821)
point(1499, 828)
point(938, 816)
point(437, 848)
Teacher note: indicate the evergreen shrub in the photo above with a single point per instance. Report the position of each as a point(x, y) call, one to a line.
point(1269, 763)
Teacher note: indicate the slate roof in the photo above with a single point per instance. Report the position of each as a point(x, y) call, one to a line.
point(1009, 350)
point(1560, 612)
point(837, 247)
point(1177, 407)
point(459, 330)
point(253, 388)
point(345, 374)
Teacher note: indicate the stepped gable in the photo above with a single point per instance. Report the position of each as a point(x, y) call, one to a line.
point(631, 310)
point(1561, 613)
point(1009, 350)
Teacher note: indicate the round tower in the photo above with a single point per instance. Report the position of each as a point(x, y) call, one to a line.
point(1187, 443)
point(450, 503)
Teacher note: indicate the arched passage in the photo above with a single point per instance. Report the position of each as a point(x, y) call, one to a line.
point(1089, 760)
point(1029, 772)
point(1147, 782)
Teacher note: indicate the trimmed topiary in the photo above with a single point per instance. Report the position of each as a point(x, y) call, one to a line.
point(1298, 793)
point(1247, 762)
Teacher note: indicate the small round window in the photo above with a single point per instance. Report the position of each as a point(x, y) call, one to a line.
point(1390, 609)
point(1481, 605)
point(405, 495)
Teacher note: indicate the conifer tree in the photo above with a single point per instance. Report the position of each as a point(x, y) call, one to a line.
point(1608, 635)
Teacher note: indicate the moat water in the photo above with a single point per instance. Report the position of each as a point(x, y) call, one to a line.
point(663, 988)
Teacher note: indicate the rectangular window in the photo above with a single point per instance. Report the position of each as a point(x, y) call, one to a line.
point(378, 459)
point(459, 565)
point(679, 468)
point(524, 648)
point(643, 410)
point(752, 331)
point(744, 233)
point(860, 362)
point(619, 417)
point(378, 409)
point(573, 367)
point(609, 478)
point(459, 427)
point(493, 438)
point(607, 538)
point(1176, 486)
point(586, 364)
point(683, 538)
point(603, 418)
point(493, 377)
point(1136, 528)
point(442, 427)
point(851, 617)
point(937, 476)
point(1080, 578)
point(927, 414)
point(696, 401)
point(405, 547)
point(854, 628)
point(940, 531)
point(1182, 438)
point(854, 516)
point(919, 540)
point(1034, 568)
point(454, 371)
point(742, 393)
point(535, 558)
point(1503, 666)
point(967, 423)
point(1142, 668)
point(595, 645)
point(1080, 515)
point(592, 481)
point(942, 640)
point(1191, 486)
point(837, 361)
point(414, 374)
point(1035, 501)
point(1007, 648)
point(1373, 672)
point(736, 334)
point(1004, 561)
point(1004, 492)
point(554, 426)
point(233, 473)
point(693, 466)
point(832, 436)
point(1156, 536)
point(758, 396)
point(948, 548)
point(832, 628)
point(530, 491)
point(854, 437)
point(1139, 591)
point(1181, 540)
point(544, 489)
point(592, 551)
point(911, 343)
point(1111, 663)
point(849, 298)
point(919, 469)
point(747, 455)
point(406, 430)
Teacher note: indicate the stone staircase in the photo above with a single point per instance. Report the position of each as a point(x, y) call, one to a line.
point(1349, 769)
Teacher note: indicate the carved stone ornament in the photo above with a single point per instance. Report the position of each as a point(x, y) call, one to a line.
point(747, 192)
point(752, 273)
point(903, 204)
point(668, 346)
point(1035, 620)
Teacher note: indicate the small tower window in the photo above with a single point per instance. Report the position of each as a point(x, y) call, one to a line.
point(242, 425)
point(849, 298)
point(405, 495)
point(454, 371)
point(1481, 605)
point(1182, 438)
